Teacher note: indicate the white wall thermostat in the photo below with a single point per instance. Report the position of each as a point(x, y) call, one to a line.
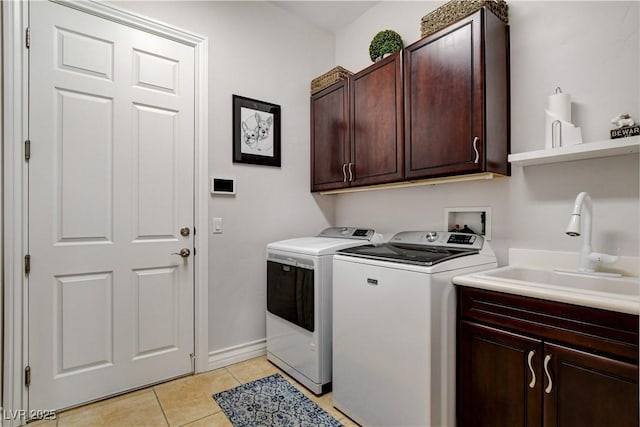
point(220, 185)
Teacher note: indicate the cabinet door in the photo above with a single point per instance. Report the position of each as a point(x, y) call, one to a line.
point(499, 378)
point(330, 137)
point(443, 101)
point(456, 96)
point(377, 153)
point(582, 389)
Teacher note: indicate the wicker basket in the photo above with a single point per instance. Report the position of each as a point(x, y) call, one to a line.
point(454, 10)
point(330, 77)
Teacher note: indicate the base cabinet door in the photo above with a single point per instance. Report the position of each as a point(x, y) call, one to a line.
point(499, 378)
point(530, 362)
point(586, 390)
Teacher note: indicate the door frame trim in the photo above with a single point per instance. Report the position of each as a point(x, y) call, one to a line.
point(14, 109)
point(14, 132)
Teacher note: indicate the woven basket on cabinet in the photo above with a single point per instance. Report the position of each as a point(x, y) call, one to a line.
point(452, 11)
point(330, 77)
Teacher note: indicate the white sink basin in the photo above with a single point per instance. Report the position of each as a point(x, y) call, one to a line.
point(620, 286)
point(617, 294)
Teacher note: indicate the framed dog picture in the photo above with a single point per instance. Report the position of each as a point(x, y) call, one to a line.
point(256, 132)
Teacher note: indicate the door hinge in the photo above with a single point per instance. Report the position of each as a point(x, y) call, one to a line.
point(27, 150)
point(27, 376)
point(27, 37)
point(193, 361)
point(27, 264)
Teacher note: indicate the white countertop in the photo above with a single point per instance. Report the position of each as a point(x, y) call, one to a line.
point(530, 274)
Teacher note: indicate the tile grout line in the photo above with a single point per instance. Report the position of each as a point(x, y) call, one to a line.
point(161, 408)
point(214, 400)
point(196, 420)
point(234, 377)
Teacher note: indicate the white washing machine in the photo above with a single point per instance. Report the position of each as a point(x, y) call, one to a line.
point(394, 328)
point(299, 298)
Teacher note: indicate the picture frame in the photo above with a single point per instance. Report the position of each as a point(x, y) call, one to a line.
point(256, 132)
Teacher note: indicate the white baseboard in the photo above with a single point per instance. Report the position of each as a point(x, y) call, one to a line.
point(238, 353)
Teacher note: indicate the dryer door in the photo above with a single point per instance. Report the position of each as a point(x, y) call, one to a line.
point(290, 290)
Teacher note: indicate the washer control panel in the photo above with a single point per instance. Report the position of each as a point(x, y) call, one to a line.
point(461, 238)
point(439, 238)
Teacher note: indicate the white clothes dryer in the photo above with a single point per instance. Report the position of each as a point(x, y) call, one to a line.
point(299, 298)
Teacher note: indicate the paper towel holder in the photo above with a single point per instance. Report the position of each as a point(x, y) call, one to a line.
point(555, 133)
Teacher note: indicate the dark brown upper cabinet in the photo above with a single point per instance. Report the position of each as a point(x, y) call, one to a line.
point(377, 144)
point(357, 129)
point(439, 108)
point(330, 145)
point(456, 100)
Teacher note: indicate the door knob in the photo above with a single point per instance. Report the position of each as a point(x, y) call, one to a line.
point(184, 252)
point(184, 231)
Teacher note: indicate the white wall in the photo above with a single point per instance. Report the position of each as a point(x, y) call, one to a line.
point(258, 51)
point(591, 50)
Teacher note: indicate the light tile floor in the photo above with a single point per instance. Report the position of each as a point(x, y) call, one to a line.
point(186, 401)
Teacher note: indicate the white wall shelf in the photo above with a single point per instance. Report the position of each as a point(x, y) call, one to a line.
point(587, 150)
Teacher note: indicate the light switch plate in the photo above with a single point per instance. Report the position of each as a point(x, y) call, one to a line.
point(216, 226)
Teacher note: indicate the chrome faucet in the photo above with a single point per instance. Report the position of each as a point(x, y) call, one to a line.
point(588, 260)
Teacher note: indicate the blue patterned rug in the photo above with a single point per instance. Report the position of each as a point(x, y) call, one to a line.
point(272, 401)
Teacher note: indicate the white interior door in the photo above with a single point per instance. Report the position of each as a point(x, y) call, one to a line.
point(110, 186)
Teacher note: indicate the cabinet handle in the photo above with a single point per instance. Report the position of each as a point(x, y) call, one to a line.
point(547, 358)
point(475, 148)
point(344, 172)
point(350, 172)
point(532, 384)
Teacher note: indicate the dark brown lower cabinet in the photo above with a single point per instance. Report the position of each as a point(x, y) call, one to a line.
point(495, 378)
point(527, 362)
point(583, 389)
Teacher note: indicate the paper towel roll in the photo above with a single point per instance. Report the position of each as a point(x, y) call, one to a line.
point(559, 105)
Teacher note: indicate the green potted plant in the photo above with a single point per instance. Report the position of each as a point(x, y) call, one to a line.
point(385, 42)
